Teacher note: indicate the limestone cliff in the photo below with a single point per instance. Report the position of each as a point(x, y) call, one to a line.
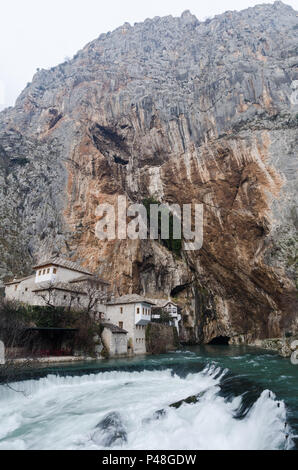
point(181, 111)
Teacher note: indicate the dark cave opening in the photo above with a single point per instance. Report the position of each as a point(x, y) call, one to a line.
point(179, 289)
point(220, 340)
point(120, 160)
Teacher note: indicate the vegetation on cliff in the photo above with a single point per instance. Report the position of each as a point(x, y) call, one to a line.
point(172, 244)
point(161, 338)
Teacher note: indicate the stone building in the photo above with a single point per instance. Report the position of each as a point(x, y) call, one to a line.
point(60, 282)
point(169, 307)
point(133, 313)
point(114, 339)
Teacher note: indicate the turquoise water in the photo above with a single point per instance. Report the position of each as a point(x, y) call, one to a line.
point(248, 400)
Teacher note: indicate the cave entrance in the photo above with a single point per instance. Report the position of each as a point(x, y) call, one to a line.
point(221, 340)
point(179, 289)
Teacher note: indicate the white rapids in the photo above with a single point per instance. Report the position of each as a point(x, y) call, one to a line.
point(63, 412)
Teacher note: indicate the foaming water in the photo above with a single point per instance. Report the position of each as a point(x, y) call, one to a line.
point(64, 412)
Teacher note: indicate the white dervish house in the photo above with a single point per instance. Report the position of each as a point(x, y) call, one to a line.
point(60, 282)
point(133, 313)
point(168, 306)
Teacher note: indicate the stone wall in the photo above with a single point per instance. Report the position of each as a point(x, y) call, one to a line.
point(161, 338)
point(284, 346)
point(115, 343)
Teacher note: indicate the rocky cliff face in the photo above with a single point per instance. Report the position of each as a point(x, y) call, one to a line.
point(180, 111)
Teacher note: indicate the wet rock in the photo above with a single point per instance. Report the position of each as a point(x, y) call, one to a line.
point(284, 346)
point(189, 400)
point(159, 414)
point(110, 431)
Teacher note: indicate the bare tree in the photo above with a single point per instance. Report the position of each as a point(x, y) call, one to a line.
point(50, 297)
point(94, 297)
point(16, 337)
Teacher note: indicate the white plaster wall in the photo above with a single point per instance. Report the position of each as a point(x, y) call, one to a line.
point(45, 276)
point(120, 343)
point(22, 292)
point(62, 274)
point(114, 315)
point(142, 316)
point(106, 338)
point(172, 309)
point(115, 343)
point(140, 340)
point(128, 317)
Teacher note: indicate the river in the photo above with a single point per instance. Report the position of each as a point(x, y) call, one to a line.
point(247, 400)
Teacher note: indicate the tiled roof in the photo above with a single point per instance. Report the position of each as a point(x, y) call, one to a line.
point(87, 277)
point(114, 328)
point(143, 322)
point(64, 263)
point(16, 281)
point(42, 286)
point(130, 299)
point(162, 302)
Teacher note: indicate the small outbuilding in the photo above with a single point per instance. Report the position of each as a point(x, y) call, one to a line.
point(114, 339)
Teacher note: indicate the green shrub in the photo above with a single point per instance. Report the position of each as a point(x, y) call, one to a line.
point(171, 244)
point(15, 317)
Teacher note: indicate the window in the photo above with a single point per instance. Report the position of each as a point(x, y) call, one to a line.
point(15, 287)
point(48, 270)
point(39, 273)
point(121, 309)
point(121, 324)
point(54, 270)
point(26, 289)
point(44, 271)
point(65, 297)
point(138, 310)
point(143, 311)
